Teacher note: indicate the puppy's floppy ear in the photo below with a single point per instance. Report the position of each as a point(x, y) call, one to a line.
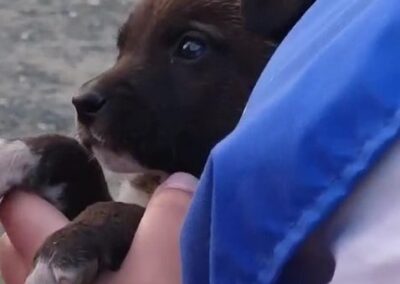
point(273, 18)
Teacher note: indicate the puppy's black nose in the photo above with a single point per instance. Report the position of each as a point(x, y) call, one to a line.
point(88, 105)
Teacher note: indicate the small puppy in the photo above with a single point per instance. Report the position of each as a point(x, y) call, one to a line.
point(183, 74)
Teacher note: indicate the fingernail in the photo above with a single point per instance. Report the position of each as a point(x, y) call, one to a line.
point(181, 181)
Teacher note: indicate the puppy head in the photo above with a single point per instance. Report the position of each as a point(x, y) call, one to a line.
point(273, 18)
point(181, 80)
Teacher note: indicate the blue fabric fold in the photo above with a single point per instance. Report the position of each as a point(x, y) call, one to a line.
point(324, 110)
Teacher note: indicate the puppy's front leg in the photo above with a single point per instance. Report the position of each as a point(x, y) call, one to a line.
point(96, 241)
point(16, 161)
point(56, 168)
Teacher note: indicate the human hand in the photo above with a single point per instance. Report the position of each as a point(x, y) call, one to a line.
point(154, 255)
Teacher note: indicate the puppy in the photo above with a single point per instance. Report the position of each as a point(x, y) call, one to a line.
point(273, 19)
point(183, 74)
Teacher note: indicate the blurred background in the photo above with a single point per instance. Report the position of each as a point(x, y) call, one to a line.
point(48, 48)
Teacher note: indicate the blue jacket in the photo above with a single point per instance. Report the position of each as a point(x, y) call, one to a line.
point(324, 110)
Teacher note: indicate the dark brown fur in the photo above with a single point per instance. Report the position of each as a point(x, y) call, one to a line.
point(167, 112)
point(273, 18)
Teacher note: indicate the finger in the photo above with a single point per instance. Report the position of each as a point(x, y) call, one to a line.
point(28, 221)
point(155, 256)
point(12, 265)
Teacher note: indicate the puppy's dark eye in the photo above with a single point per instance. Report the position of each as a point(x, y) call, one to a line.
point(191, 47)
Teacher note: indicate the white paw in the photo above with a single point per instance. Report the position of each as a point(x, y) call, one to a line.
point(46, 272)
point(16, 160)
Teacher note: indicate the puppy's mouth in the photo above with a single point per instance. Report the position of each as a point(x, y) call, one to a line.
point(115, 161)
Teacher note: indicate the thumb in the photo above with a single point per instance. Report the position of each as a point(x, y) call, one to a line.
point(179, 181)
point(154, 256)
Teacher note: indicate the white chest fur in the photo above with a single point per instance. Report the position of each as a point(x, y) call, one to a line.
point(123, 190)
point(133, 195)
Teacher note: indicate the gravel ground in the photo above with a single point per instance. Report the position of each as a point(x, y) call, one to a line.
point(47, 49)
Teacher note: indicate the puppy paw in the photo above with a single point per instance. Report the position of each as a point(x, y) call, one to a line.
point(67, 257)
point(96, 241)
point(51, 271)
point(16, 161)
point(57, 168)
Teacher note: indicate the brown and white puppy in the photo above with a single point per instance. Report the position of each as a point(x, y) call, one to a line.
point(183, 75)
point(184, 72)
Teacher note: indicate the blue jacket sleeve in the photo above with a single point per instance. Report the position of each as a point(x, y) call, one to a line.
point(324, 110)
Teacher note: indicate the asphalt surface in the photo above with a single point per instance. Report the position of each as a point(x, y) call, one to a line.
point(47, 49)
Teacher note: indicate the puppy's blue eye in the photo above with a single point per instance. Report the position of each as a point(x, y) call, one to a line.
point(191, 48)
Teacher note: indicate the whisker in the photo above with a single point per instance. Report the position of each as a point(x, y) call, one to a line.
point(100, 138)
point(91, 157)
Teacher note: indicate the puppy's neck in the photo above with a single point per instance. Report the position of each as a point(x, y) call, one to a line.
point(138, 188)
